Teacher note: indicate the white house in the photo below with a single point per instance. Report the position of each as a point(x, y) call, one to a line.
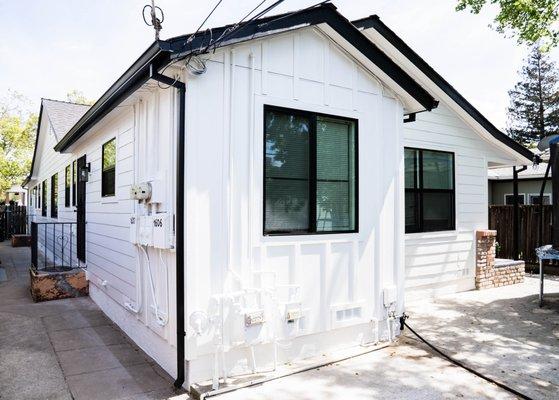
point(272, 191)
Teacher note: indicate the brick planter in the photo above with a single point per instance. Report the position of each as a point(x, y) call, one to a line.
point(21, 241)
point(54, 285)
point(490, 273)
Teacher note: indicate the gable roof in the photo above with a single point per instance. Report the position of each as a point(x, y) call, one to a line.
point(161, 53)
point(374, 22)
point(62, 115)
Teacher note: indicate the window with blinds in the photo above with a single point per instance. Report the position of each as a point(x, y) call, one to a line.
point(429, 187)
point(310, 173)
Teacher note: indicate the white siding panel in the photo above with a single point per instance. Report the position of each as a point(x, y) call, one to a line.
point(444, 262)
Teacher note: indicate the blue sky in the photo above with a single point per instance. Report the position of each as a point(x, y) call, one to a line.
point(50, 47)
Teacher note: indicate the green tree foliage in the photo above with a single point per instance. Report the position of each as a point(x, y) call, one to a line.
point(530, 21)
point(17, 137)
point(77, 96)
point(534, 102)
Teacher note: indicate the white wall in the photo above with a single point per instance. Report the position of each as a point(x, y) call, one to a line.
point(443, 262)
point(116, 269)
point(224, 238)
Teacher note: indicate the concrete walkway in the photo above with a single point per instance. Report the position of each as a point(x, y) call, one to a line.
point(66, 349)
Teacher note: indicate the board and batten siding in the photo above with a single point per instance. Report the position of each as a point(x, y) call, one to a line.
point(444, 262)
point(226, 249)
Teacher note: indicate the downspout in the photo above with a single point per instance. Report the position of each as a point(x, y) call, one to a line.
point(516, 217)
point(542, 190)
point(179, 220)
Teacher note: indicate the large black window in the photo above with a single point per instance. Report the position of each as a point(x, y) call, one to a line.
point(67, 185)
point(44, 199)
point(54, 196)
point(429, 177)
point(310, 173)
point(108, 169)
point(74, 181)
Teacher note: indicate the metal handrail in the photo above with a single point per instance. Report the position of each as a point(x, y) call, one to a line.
point(49, 245)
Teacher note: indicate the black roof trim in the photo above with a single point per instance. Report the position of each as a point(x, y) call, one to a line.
point(129, 82)
point(162, 52)
point(374, 22)
point(28, 178)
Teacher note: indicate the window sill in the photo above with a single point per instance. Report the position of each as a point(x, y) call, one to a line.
point(309, 237)
point(431, 235)
point(109, 200)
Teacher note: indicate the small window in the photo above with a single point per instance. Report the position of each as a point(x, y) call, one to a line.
point(44, 199)
point(310, 173)
point(67, 185)
point(74, 181)
point(54, 196)
point(108, 169)
point(429, 198)
point(535, 199)
point(509, 199)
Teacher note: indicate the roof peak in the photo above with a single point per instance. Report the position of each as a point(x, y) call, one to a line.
point(64, 101)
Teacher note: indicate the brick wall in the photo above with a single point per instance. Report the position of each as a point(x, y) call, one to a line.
point(490, 274)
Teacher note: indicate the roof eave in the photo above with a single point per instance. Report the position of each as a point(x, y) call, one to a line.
point(130, 81)
point(374, 22)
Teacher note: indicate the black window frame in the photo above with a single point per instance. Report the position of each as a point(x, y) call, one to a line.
point(74, 181)
point(110, 170)
point(54, 196)
point(420, 191)
point(67, 184)
point(44, 191)
point(312, 117)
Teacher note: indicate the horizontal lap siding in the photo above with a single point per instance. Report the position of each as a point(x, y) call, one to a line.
point(444, 262)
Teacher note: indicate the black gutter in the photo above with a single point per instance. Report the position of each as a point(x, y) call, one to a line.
point(28, 178)
point(179, 220)
point(374, 22)
point(542, 190)
point(128, 83)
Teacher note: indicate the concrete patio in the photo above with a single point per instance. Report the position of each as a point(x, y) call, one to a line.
point(68, 349)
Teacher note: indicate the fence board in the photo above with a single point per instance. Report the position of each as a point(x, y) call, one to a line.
point(500, 219)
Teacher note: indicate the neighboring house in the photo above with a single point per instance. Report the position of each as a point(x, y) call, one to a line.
point(16, 193)
point(328, 172)
point(529, 186)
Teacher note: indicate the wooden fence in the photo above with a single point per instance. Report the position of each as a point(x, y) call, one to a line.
point(500, 219)
point(13, 221)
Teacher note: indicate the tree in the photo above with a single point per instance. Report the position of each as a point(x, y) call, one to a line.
point(530, 21)
point(77, 96)
point(534, 102)
point(17, 135)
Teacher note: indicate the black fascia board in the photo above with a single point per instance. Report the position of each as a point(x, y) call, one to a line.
point(134, 77)
point(325, 14)
point(28, 178)
point(161, 53)
point(374, 22)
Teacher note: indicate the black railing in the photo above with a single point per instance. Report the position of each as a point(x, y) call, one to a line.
point(53, 245)
point(13, 221)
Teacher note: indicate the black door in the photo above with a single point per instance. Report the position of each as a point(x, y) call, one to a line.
point(80, 208)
